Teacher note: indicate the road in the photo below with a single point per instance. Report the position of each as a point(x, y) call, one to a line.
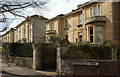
point(16, 71)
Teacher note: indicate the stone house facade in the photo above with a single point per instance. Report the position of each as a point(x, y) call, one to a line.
point(8, 37)
point(30, 30)
point(96, 22)
point(54, 28)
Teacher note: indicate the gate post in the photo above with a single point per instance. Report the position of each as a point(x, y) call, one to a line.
point(61, 50)
point(36, 56)
point(118, 59)
point(58, 60)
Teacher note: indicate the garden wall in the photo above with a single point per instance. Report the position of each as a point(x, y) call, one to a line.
point(89, 68)
point(23, 61)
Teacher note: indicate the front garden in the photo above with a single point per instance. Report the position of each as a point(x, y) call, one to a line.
point(18, 49)
point(86, 50)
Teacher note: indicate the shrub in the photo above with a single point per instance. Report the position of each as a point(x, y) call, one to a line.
point(13, 47)
point(24, 50)
point(19, 49)
point(88, 51)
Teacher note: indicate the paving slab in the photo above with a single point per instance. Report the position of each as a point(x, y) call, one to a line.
point(17, 71)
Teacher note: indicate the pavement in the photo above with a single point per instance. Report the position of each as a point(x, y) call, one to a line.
point(17, 71)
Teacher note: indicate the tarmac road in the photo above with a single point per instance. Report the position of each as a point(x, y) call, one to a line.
point(16, 71)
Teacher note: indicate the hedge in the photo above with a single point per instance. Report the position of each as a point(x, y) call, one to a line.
point(19, 49)
point(88, 51)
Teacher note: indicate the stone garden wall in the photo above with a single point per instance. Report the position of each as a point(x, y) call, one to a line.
point(89, 68)
point(23, 61)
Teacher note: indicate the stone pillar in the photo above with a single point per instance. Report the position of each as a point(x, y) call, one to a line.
point(94, 34)
point(36, 57)
point(119, 60)
point(87, 34)
point(61, 49)
point(59, 60)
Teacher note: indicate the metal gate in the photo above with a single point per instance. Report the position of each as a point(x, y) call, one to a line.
point(48, 57)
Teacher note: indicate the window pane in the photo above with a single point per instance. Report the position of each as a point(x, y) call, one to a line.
point(95, 11)
point(66, 23)
point(80, 19)
point(99, 10)
point(91, 34)
point(51, 26)
point(66, 37)
point(91, 12)
point(80, 36)
point(91, 30)
point(99, 34)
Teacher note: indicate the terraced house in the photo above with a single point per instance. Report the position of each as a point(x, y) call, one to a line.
point(54, 27)
point(8, 37)
point(96, 22)
point(31, 30)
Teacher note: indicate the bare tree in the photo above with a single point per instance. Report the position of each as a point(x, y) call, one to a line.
point(15, 9)
point(3, 29)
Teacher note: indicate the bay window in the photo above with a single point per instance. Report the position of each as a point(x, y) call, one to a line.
point(95, 34)
point(91, 34)
point(99, 34)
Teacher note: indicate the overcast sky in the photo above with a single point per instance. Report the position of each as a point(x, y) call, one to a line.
point(61, 7)
point(54, 8)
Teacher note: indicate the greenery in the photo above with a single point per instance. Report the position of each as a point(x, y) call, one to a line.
point(55, 39)
point(85, 50)
point(19, 49)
